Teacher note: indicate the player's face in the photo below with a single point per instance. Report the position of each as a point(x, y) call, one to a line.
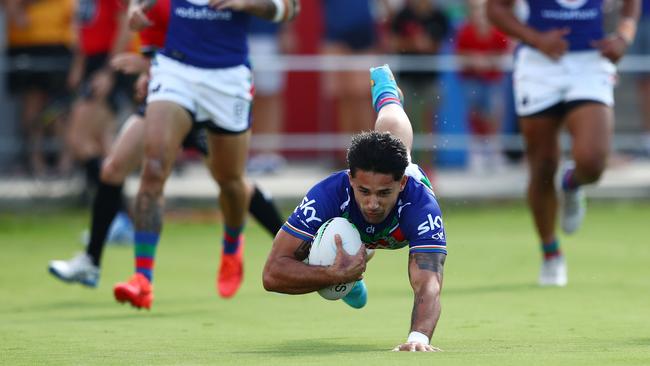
point(376, 194)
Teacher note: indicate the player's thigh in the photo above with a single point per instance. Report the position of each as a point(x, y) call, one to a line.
point(127, 150)
point(591, 126)
point(83, 125)
point(228, 155)
point(541, 134)
point(166, 125)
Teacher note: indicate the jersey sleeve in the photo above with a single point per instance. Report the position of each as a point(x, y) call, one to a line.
point(423, 225)
point(318, 206)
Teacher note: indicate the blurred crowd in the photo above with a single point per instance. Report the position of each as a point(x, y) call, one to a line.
point(65, 76)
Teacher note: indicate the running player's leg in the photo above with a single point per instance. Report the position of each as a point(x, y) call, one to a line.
point(387, 101)
point(590, 125)
point(263, 208)
point(166, 125)
point(125, 155)
point(228, 154)
point(543, 153)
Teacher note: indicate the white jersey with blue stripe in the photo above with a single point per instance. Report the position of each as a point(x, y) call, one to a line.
point(198, 35)
point(416, 219)
point(583, 17)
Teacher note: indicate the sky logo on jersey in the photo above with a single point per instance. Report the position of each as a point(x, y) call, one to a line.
point(430, 224)
point(572, 4)
point(307, 211)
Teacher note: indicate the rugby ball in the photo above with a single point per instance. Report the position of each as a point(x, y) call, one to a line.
point(323, 251)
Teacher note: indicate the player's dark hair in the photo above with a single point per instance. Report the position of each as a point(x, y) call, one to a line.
point(378, 152)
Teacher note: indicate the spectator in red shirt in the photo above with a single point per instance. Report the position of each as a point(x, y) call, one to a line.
point(481, 47)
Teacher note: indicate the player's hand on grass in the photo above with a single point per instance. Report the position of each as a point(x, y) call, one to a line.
point(612, 47)
point(347, 267)
point(552, 42)
point(415, 347)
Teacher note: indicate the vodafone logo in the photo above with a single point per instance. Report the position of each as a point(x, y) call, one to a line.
point(572, 4)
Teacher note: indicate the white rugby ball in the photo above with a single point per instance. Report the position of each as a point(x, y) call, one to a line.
point(323, 251)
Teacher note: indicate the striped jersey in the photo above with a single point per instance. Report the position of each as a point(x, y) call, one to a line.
point(415, 221)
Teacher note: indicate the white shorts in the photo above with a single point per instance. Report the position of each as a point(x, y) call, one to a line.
point(221, 96)
point(267, 82)
point(540, 83)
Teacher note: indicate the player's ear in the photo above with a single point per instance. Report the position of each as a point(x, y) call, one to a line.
point(402, 182)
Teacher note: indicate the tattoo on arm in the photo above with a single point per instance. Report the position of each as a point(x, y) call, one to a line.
point(148, 213)
point(303, 251)
point(433, 262)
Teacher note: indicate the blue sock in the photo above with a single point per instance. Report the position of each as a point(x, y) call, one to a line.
point(385, 99)
point(551, 250)
point(145, 253)
point(358, 296)
point(569, 181)
point(231, 239)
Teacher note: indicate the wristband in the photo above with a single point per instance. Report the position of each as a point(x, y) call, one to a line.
point(280, 10)
point(417, 337)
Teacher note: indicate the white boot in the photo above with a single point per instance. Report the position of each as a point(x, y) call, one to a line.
point(78, 269)
point(553, 272)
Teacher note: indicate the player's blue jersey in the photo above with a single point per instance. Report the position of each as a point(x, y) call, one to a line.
point(201, 36)
point(583, 17)
point(415, 220)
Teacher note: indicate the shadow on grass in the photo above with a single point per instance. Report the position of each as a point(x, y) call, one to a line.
point(313, 347)
point(495, 288)
point(57, 305)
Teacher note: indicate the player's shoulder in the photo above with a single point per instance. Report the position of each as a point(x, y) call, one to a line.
point(418, 179)
point(336, 180)
point(334, 187)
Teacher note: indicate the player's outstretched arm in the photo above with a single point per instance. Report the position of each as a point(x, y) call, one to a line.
point(425, 274)
point(277, 11)
point(285, 272)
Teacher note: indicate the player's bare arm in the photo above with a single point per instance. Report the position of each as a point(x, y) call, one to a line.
point(425, 274)
point(273, 10)
point(285, 272)
point(613, 46)
point(130, 63)
point(551, 43)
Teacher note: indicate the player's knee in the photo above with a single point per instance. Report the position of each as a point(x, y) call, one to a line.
point(113, 172)
point(545, 169)
point(590, 170)
point(231, 186)
point(153, 173)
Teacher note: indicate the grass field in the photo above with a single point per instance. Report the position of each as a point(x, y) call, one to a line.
point(493, 313)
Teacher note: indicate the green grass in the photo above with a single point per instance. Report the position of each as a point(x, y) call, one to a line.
point(493, 313)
